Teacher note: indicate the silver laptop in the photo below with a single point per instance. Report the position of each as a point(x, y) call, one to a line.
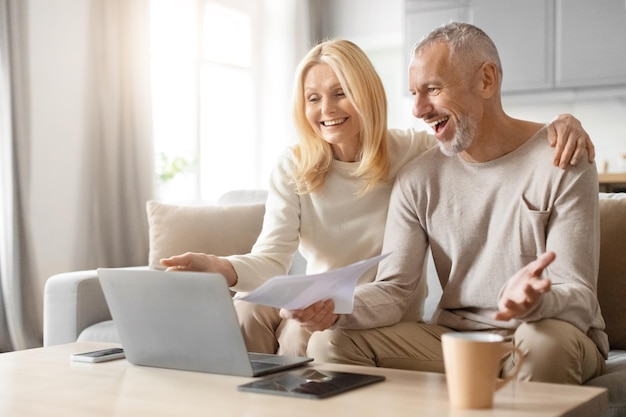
point(182, 320)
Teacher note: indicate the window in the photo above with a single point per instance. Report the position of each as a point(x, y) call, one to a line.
point(204, 97)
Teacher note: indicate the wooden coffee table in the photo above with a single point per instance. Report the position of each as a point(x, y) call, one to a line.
point(44, 382)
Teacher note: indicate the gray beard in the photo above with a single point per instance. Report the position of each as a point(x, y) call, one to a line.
point(462, 138)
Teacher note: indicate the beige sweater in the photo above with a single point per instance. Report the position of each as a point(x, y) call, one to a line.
point(484, 222)
point(332, 227)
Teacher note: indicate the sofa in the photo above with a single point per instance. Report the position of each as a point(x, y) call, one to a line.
point(75, 308)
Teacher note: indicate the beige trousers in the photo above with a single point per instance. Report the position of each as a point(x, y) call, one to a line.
point(556, 351)
point(266, 332)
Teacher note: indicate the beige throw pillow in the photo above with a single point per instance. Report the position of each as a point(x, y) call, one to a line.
point(215, 229)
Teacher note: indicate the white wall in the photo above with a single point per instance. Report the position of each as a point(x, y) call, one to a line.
point(57, 31)
point(602, 113)
point(377, 26)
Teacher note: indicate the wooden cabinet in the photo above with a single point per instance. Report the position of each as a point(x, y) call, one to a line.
point(543, 44)
point(612, 182)
point(425, 15)
point(523, 32)
point(590, 43)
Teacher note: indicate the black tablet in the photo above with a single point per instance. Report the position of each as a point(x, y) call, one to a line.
point(310, 383)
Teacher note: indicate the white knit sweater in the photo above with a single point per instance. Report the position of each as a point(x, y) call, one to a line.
point(332, 227)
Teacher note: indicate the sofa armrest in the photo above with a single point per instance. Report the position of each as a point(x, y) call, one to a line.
point(72, 302)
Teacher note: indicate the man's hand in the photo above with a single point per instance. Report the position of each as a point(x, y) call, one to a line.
point(522, 291)
point(316, 317)
point(569, 140)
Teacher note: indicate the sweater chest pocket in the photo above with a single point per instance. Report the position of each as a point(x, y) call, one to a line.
point(530, 230)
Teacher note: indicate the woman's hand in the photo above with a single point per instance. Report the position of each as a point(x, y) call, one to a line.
point(569, 140)
point(201, 262)
point(316, 317)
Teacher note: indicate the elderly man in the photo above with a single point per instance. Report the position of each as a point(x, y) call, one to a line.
point(514, 240)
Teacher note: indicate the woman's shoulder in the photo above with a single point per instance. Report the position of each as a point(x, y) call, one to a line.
point(407, 144)
point(284, 168)
point(407, 140)
point(286, 159)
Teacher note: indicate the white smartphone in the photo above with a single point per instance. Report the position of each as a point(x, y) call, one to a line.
point(99, 355)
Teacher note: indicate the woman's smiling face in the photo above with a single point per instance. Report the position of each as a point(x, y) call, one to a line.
point(330, 113)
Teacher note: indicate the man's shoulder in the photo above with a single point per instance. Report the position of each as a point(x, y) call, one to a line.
point(542, 153)
point(537, 163)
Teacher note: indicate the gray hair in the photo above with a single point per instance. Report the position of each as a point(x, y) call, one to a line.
point(469, 45)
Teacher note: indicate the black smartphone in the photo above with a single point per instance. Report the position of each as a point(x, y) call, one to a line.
point(99, 355)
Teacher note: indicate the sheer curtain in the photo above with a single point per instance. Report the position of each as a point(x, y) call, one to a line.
point(222, 95)
point(20, 301)
point(118, 158)
point(290, 29)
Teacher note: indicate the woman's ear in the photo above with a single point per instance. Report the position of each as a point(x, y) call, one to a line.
point(490, 79)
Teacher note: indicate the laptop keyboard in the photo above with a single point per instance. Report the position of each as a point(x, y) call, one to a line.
point(262, 366)
point(267, 358)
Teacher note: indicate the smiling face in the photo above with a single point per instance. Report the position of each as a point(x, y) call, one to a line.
point(443, 98)
point(330, 113)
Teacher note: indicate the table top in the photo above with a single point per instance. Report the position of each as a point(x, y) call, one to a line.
point(44, 382)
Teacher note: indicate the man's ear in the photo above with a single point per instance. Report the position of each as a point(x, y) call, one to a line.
point(490, 79)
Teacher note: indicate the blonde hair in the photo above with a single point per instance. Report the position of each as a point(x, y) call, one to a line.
point(363, 87)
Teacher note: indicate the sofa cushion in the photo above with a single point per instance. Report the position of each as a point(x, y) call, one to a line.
point(216, 229)
point(613, 380)
point(612, 274)
point(104, 331)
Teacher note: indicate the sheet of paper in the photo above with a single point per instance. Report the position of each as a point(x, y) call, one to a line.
point(294, 292)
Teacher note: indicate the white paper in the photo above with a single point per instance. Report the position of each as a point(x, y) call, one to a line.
point(294, 292)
